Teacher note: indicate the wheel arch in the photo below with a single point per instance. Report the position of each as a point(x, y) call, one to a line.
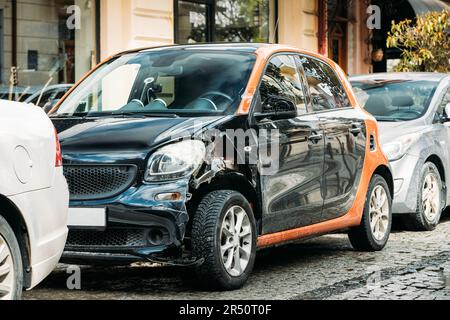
point(386, 173)
point(436, 160)
point(230, 180)
point(15, 219)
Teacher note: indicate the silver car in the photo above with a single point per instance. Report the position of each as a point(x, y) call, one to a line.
point(413, 112)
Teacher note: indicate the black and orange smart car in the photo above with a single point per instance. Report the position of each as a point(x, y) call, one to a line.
point(199, 155)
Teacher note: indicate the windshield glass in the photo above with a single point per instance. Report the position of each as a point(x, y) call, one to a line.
point(170, 82)
point(395, 100)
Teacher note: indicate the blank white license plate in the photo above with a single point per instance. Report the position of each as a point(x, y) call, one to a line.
point(87, 218)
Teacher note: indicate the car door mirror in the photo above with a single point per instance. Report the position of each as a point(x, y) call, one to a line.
point(277, 108)
point(446, 116)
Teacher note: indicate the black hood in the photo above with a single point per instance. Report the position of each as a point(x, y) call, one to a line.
point(121, 140)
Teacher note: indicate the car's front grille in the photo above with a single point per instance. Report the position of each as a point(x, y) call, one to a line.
point(108, 238)
point(98, 182)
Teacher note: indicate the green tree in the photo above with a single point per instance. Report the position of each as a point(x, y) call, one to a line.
point(425, 43)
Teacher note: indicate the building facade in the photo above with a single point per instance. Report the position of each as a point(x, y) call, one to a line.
point(40, 39)
point(57, 41)
point(344, 30)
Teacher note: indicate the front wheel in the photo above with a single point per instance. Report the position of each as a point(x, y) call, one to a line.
point(224, 235)
point(11, 272)
point(376, 224)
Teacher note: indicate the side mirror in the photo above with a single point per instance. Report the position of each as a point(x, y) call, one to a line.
point(446, 116)
point(277, 108)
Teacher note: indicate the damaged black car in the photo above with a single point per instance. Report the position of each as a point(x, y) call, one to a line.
point(146, 142)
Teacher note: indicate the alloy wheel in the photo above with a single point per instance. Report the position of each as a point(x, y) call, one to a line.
point(431, 197)
point(236, 241)
point(379, 213)
point(6, 271)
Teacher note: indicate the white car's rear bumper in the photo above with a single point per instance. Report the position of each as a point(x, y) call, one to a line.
point(45, 212)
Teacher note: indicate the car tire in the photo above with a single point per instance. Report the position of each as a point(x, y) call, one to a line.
point(422, 219)
point(214, 240)
point(375, 228)
point(11, 271)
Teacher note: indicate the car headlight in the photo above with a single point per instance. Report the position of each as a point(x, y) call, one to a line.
point(397, 149)
point(175, 161)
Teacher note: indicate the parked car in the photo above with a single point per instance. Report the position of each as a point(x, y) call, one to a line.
point(16, 93)
point(413, 111)
point(34, 198)
point(48, 97)
point(147, 181)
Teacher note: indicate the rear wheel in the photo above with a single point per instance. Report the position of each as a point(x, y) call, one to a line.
point(11, 272)
point(224, 235)
point(376, 224)
point(430, 201)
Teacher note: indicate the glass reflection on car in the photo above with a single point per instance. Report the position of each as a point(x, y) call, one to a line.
point(396, 100)
point(163, 83)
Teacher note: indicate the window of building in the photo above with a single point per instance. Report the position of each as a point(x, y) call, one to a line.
point(192, 22)
point(224, 21)
point(325, 87)
point(49, 42)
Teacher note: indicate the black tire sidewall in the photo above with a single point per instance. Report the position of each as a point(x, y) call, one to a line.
point(8, 234)
point(212, 273)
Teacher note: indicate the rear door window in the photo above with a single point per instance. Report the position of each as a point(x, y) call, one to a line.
point(327, 92)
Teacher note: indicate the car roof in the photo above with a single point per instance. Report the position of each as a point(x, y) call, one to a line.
point(244, 47)
point(427, 76)
point(262, 49)
point(265, 48)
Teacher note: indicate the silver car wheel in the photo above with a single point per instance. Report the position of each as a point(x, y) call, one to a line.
point(6, 271)
point(236, 241)
point(431, 197)
point(379, 213)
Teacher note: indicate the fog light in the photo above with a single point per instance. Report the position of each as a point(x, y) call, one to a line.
point(173, 196)
point(156, 237)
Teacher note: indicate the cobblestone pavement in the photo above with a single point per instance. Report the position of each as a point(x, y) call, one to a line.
point(413, 266)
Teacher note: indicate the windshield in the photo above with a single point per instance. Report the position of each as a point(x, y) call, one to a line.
point(170, 82)
point(395, 100)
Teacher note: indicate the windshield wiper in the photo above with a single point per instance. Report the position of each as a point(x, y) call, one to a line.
point(115, 114)
point(64, 116)
point(141, 115)
point(390, 120)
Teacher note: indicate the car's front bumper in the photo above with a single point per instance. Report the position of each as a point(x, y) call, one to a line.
point(406, 172)
point(138, 226)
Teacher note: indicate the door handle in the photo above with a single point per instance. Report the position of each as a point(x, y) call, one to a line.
point(315, 138)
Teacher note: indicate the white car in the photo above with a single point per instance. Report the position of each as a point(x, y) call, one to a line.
point(33, 198)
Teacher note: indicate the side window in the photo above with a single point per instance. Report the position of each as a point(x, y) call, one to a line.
point(441, 108)
point(445, 102)
point(44, 99)
point(282, 79)
point(326, 90)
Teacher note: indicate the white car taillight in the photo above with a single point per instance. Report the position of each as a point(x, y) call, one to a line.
point(58, 160)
